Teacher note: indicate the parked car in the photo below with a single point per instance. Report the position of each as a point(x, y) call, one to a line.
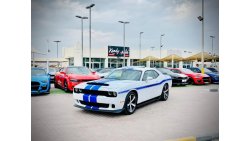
point(122, 90)
point(68, 77)
point(194, 78)
point(213, 70)
point(52, 72)
point(40, 81)
point(177, 79)
point(104, 72)
point(214, 76)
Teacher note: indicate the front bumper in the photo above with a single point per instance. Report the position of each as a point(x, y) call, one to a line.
point(39, 87)
point(99, 103)
point(201, 81)
point(179, 81)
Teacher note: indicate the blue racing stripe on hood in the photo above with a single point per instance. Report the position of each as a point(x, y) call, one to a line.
point(85, 97)
point(103, 80)
point(96, 87)
point(88, 87)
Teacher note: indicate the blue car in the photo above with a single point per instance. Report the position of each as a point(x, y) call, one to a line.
point(213, 75)
point(40, 81)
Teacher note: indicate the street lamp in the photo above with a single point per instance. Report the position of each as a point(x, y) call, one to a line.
point(123, 22)
point(82, 36)
point(57, 46)
point(212, 37)
point(140, 45)
point(161, 44)
point(150, 57)
point(89, 7)
point(201, 18)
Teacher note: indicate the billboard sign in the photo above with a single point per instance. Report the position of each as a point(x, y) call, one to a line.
point(117, 51)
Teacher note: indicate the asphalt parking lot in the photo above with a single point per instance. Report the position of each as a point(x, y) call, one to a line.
point(189, 111)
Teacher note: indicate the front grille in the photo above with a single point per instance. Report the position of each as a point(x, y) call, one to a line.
point(206, 79)
point(35, 86)
point(103, 105)
point(94, 92)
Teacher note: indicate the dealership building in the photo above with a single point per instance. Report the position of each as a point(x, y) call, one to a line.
point(112, 56)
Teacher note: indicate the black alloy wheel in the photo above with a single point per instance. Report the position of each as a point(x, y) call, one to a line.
point(66, 86)
point(164, 93)
point(130, 103)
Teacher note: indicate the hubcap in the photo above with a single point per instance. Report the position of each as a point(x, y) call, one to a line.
point(65, 86)
point(131, 103)
point(165, 92)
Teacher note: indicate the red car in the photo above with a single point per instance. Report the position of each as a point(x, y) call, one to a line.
point(194, 78)
point(68, 77)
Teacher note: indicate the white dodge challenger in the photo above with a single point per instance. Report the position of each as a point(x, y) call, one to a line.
point(122, 90)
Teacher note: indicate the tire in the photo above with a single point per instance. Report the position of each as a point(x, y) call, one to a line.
point(164, 93)
point(56, 85)
point(130, 103)
point(65, 88)
point(191, 81)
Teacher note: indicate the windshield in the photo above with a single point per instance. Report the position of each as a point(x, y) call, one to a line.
point(207, 70)
point(164, 71)
point(105, 70)
point(38, 72)
point(78, 70)
point(187, 71)
point(52, 70)
point(213, 69)
point(125, 74)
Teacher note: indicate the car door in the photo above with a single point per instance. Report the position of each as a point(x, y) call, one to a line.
point(150, 88)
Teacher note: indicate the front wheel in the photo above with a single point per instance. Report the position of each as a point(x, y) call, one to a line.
point(130, 103)
point(66, 86)
point(164, 93)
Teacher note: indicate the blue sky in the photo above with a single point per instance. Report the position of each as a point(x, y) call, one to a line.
point(177, 19)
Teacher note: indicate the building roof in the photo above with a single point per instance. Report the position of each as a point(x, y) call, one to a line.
point(170, 57)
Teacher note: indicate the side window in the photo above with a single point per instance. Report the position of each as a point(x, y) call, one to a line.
point(150, 73)
point(176, 71)
point(155, 74)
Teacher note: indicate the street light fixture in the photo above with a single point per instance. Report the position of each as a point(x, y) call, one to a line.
point(57, 46)
point(140, 45)
point(212, 37)
point(82, 18)
point(201, 18)
point(150, 57)
point(89, 7)
point(161, 44)
point(123, 22)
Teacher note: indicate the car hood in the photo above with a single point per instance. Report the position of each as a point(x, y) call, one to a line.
point(178, 75)
point(213, 74)
point(108, 85)
point(39, 78)
point(83, 77)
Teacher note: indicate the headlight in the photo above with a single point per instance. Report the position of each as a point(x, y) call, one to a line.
point(112, 94)
point(76, 90)
point(73, 80)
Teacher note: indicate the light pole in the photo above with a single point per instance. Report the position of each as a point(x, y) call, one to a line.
point(57, 46)
point(201, 18)
point(82, 18)
point(89, 7)
point(150, 58)
point(212, 37)
point(123, 22)
point(140, 45)
point(161, 44)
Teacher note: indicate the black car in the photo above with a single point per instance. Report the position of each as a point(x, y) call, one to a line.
point(177, 79)
point(52, 72)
